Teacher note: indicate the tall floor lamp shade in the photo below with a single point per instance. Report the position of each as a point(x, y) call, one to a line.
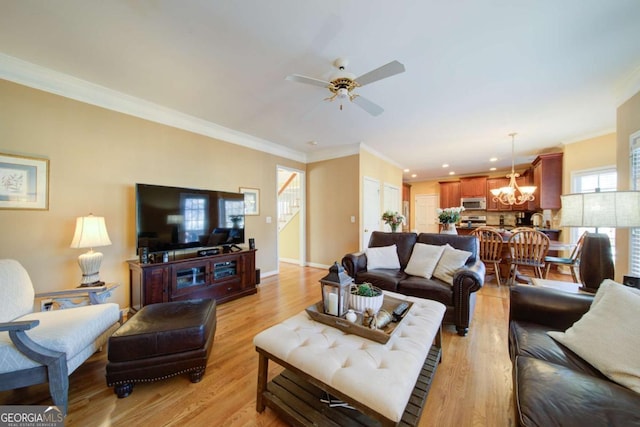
point(615, 209)
point(91, 232)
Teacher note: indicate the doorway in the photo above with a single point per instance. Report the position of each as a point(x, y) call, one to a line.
point(291, 216)
point(426, 213)
point(370, 209)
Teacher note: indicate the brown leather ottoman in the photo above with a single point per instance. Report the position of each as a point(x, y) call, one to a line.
point(162, 340)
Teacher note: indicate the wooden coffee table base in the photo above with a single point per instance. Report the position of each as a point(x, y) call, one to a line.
point(296, 396)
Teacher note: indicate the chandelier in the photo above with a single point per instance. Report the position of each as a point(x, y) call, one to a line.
point(513, 194)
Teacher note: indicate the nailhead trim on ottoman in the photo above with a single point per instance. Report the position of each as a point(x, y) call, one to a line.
point(160, 341)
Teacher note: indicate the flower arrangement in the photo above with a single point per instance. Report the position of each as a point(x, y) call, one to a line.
point(449, 215)
point(393, 219)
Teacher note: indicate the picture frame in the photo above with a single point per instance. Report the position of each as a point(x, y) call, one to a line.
point(251, 200)
point(24, 182)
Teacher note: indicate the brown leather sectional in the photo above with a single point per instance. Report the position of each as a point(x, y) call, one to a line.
point(552, 385)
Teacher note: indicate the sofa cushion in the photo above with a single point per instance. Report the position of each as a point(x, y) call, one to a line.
point(382, 257)
point(404, 242)
point(69, 331)
point(384, 279)
point(605, 336)
point(451, 260)
point(433, 289)
point(465, 243)
point(17, 290)
point(554, 395)
point(531, 339)
point(424, 259)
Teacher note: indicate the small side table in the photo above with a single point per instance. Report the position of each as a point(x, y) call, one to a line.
point(571, 287)
point(83, 295)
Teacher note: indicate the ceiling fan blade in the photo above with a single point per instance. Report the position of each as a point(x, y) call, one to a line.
point(307, 80)
point(368, 106)
point(388, 70)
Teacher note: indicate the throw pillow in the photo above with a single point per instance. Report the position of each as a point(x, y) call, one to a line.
point(451, 260)
point(424, 259)
point(382, 257)
point(599, 294)
point(606, 337)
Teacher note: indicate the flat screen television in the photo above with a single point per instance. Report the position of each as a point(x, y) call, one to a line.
point(172, 218)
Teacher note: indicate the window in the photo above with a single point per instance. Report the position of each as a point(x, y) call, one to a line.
point(589, 182)
point(634, 235)
point(193, 210)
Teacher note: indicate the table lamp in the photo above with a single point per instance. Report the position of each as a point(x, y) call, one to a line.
point(91, 232)
point(615, 209)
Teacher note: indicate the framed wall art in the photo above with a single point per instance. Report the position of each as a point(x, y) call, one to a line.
point(24, 182)
point(251, 200)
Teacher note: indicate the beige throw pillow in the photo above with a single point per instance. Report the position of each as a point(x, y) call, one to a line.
point(606, 335)
point(424, 259)
point(382, 257)
point(451, 260)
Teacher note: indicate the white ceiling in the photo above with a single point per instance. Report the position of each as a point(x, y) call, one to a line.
point(552, 70)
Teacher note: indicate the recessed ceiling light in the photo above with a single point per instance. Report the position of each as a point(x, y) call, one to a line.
point(406, 170)
point(445, 165)
point(313, 142)
point(493, 159)
point(492, 169)
point(452, 173)
point(413, 175)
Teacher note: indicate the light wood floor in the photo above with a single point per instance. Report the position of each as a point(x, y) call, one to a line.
point(472, 386)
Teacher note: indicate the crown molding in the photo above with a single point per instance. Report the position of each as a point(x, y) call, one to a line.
point(47, 80)
point(333, 153)
point(628, 88)
point(365, 147)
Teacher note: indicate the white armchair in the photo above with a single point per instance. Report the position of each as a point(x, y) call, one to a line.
point(36, 347)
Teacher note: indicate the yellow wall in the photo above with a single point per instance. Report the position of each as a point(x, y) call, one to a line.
point(628, 122)
point(332, 189)
point(289, 239)
point(593, 153)
point(96, 157)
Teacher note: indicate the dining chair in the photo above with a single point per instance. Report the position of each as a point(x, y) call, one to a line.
point(527, 249)
point(573, 261)
point(490, 241)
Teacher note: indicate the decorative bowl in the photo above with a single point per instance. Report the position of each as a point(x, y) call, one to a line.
point(361, 303)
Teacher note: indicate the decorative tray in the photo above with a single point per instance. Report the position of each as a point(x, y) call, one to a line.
point(316, 312)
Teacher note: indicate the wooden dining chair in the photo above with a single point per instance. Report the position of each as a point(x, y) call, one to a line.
point(527, 249)
point(573, 262)
point(490, 241)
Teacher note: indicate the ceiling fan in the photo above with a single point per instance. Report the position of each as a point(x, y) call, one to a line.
point(343, 83)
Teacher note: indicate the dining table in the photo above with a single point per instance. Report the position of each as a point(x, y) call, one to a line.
point(554, 247)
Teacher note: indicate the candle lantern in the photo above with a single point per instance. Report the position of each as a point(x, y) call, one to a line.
point(335, 291)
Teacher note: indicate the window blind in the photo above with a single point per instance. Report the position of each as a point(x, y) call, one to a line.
point(634, 250)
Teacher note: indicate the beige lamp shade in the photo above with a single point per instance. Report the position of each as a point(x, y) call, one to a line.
point(91, 232)
point(616, 209)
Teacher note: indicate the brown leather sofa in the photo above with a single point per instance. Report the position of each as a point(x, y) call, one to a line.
point(459, 298)
point(552, 385)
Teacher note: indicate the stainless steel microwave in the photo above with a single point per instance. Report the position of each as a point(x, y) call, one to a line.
point(472, 203)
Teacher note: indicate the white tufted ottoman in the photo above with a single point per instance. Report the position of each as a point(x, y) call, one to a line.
point(377, 379)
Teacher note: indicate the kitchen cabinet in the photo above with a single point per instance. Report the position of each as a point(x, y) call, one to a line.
point(493, 183)
point(449, 194)
point(547, 177)
point(525, 179)
point(473, 186)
